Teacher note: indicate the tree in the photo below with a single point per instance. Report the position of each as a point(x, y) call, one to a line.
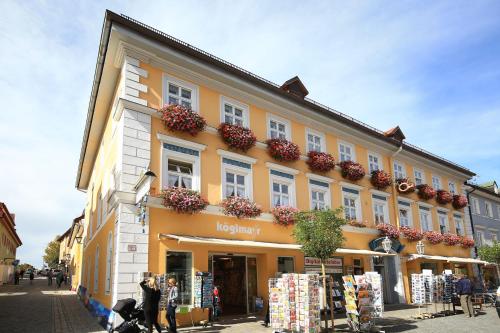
point(51, 256)
point(320, 234)
point(24, 267)
point(490, 253)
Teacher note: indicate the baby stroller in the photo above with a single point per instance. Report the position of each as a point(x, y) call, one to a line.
point(133, 316)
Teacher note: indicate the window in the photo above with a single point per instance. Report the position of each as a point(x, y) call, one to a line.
point(179, 265)
point(109, 258)
point(235, 185)
point(91, 213)
point(488, 208)
point(237, 178)
point(494, 237)
point(283, 189)
point(373, 162)
point(443, 222)
point(405, 218)
point(319, 194)
point(475, 206)
point(180, 92)
point(233, 112)
point(352, 205)
point(459, 225)
point(452, 187)
point(480, 237)
point(315, 141)
point(380, 210)
point(346, 152)
point(99, 210)
point(279, 128)
point(419, 177)
point(180, 174)
point(286, 265)
point(436, 182)
point(425, 219)
point(399, 170)
point(96, 270)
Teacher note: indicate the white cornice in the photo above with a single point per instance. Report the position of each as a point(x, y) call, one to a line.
point(352, 186)
point(282, 168)
point(381, 193)
point(444, 210)
point(181, 142)
point(426, 205)
point(126, 104)
point(320, 178)
point(410, 201)
point(234, 156)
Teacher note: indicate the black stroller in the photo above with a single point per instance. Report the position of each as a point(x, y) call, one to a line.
point(133, 316)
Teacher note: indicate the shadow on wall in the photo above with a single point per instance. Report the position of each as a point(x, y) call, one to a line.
point(95, 308)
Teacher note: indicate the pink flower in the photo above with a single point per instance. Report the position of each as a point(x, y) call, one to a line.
point(434, 237)
point(411, 234)
point(283, 150)
point(240, 207)
point(467, 242)
point(284, 215)
point(443, 197)
point(426, 192)
point(183, 200)
point(459, 201)
point(179, 118)
point(388, 230)
point(352, 170)
point(236, 136)
point(452, 239)
point(381, 179)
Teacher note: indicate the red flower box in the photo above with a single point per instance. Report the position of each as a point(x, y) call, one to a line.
point(321, 162)
point(405, 186)
point(237, 136)
point(443, 197)
point(283, 150)
point(179, 118)
point(459, 201)
point(240, 207)
point(451, 239)
point(388, 230)
point(381, 179)
point(426, 192)
point(352, 170)
point(433, 237)
point(467, 242)
point(183, 200)
point(411, 234)
point(284, 215)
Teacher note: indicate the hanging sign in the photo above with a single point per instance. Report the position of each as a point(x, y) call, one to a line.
point(376, 245)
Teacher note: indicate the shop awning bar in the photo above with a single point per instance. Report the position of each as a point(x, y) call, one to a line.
point(364, 252)
point(412, 257)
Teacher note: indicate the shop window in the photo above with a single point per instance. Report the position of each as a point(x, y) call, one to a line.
point(179, 266)
point(425, 219)
point(419, 177)
point(237, 178)
point(283, 189)
point(399, 170)
point(459, 225)
point(278, 128)
point(180, 92)
point(436, 182)
point(319, 194)
point(181, 167)
point(286, 265)
point(405, 216)
point(234, 113)
point(373, 162)
point(380, 210)
point(358, 266)
point(443, 222)
point(352, 205)
point(315, 141)
point(346, 152)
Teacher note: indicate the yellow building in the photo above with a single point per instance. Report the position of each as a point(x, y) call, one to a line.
point(138, 71)
point(9, 242)
point(70, 251)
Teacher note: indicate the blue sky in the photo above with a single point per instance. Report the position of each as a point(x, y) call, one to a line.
point(431, 67)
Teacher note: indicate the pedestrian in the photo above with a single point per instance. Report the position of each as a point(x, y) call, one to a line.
point(59, 279)
point(49, 277)
point(65, 279)
point(21, 274)
point(464, 290)
point(152, 297)
point(173, 294)
point(32, 276)
point(16, 277)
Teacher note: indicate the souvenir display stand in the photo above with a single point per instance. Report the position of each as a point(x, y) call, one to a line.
point(203, 292)
point(427, 289)
point(336, 293)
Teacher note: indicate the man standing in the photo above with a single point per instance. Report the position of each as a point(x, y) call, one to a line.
point(49, 276)
point(464, 290)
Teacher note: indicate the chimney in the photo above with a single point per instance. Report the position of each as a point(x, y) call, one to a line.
point(296, 87)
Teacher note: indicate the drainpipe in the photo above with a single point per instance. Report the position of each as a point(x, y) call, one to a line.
point(394, 195)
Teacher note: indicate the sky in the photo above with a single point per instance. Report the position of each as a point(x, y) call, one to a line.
point(431, 67)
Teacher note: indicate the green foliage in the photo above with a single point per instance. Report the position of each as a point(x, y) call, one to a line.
point(24, 267)
point(490, 253)
point(319, 232)
point(51, 256)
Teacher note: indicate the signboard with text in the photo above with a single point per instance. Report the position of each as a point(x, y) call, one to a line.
point(311, 261)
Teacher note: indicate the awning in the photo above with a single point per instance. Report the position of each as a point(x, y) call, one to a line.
point(447, 259)
point(245, 243)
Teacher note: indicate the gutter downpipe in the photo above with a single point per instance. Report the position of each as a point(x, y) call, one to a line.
point(394, 195)
point(472, 230)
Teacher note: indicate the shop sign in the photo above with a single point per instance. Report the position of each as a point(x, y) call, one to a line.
point(311, 261)
point(376, 245)
point(234, 229)
point(328, 270)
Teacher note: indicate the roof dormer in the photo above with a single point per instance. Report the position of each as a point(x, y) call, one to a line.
point(296, 87)
point(395, 133)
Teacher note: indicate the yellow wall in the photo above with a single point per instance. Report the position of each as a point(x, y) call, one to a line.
point(8, 244)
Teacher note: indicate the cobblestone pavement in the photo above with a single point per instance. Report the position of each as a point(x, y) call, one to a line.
point(43, 309)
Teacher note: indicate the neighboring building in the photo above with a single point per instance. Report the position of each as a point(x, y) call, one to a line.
point(484, 210)
point(9, 242)
point(70, 252)
point(140, 69)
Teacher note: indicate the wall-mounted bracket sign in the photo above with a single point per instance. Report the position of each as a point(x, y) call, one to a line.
point(376, 245)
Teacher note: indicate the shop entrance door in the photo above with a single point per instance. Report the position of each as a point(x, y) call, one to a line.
point(379, 267)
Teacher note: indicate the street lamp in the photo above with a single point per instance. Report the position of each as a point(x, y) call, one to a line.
point(420, 247)
point(79, 239)
point(387, 244)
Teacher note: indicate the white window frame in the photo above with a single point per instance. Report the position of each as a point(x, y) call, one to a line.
point(385, 207)
point(422, 176)
point(409, 212)
point(436, 182)
point(488, 207)
point(96, 270)
point(109, 259)
point(99, 210)
point(480, 237)
point(459, 221)
point(322, 140)
point(452, 187)
point(396, 172)
point(235, 104)
point(476, 209)
point(183, 84)
point(494, 236)
point(288, 126)
point(282, 180)
point(357, 201)
point(246, 173)
point(319, 188)
point(429, 221)
point(379, 161)
point(442, 214)
point(353, 151)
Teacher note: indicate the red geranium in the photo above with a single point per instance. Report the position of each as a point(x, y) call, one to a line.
point(433, 237)
point(237, 136)
point(183, 200)
point(284, 215)
point(179, 118)
point(426, 192)
point(283, 150)
point(451, 239)
point(405, 186)
point(381, 179)
point(352, 170)
point(467, 242)
point(388, 230)
point(411, 234)
point(443, 197)
point(459, 201)
point(322, 162)
point(240, 207)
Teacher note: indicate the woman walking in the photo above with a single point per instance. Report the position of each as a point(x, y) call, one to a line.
point(173, 294)
point(151, 299)
point(32, 276)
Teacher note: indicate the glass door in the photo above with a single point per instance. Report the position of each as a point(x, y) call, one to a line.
point(251, 283)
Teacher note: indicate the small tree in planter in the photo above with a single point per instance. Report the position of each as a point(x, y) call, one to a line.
point(426, 192)
point(411, 234)
point(352, 170)
point(320, 162)
point(381, 179)
point(433, 237)
point(451, 239)
point(183, 200)
point(284, 215)
point(443, 197)
point(459, 201)
point(405, 186)
point(240, 207)
point(236, 136)
point(388, 230)
point(467, 242)
point(320, 234)
point(179, 118)
point(283, 150)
